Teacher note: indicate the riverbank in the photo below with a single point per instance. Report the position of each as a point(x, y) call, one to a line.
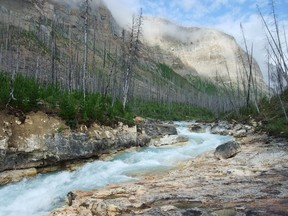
point(42, 143)
point(254, 182)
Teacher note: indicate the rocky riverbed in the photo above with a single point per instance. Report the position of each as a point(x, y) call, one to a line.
point(248, 176)
point(252, 182)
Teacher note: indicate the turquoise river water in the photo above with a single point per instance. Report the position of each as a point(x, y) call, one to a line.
point(43, 193)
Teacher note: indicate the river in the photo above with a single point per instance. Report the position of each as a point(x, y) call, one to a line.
point(43, 193)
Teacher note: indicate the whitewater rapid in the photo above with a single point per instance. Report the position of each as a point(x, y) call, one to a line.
point(43, 193)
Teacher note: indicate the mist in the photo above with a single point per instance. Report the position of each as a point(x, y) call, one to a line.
point(123, 11)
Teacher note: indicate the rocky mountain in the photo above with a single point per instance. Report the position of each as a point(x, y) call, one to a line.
point(45, 39)
point(198, 51)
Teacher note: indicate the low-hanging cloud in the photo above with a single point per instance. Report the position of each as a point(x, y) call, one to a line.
point(123, 10)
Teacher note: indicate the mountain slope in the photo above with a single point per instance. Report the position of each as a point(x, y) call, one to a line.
point(45, 39)
point(206, 52)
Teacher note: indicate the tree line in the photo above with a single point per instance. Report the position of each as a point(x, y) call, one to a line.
point(89, 57)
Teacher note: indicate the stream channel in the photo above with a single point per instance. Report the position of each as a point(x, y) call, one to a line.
point(41, 194)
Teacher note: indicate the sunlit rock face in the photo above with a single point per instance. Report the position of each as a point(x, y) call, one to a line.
point(206, 52)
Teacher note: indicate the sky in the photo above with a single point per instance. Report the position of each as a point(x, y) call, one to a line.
point(223, 15)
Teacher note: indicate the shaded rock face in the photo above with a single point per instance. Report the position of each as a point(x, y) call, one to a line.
point(227, 150)
point(80, 145)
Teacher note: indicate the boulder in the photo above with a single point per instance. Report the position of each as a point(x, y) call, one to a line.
point(218, 129)
point(227, 150)
point(240, 133)
point(233, 129)
point(143, 140)
point(196, 128)
point(155, 130)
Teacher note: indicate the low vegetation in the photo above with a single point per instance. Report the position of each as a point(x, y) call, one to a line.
point(271, 118)
point(29, 95)
point(60, 66)
point(171, 111)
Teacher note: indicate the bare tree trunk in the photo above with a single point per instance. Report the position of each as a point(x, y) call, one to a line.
point(11, 94)
point(53, 56)
point(86, 15)
point(275, 42)
point(132, 55)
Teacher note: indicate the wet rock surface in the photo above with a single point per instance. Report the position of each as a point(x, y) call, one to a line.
point(46, 143)
point(235, 129)
point(156, 129)
point(253, 182)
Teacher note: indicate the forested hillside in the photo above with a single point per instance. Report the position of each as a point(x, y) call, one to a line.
point(80, 49)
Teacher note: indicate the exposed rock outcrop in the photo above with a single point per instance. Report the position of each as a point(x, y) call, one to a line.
point(254, 182)
point(193, 51)
point(43, 140)
point(45, 143)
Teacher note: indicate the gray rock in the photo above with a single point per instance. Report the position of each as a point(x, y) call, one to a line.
point(240, 133)
point(60, 147)
point(224, 124)
point(219, 130)
point(70, 197)
point(143, 140)
point(155, 130)
point(196, 128)
point(238, 127)
point(195, 212)
point(227, 150)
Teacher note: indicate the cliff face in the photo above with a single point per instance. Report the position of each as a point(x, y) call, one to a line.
point(198, 51)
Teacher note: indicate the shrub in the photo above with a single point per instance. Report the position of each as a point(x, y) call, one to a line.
point(5, 89)
point(68, 109)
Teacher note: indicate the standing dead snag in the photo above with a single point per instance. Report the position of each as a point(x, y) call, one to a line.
point(249, 73)
point(85, 16)
point(133, 52)
point(277, 53)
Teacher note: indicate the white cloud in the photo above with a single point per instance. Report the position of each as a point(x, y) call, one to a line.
point(123, 10)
